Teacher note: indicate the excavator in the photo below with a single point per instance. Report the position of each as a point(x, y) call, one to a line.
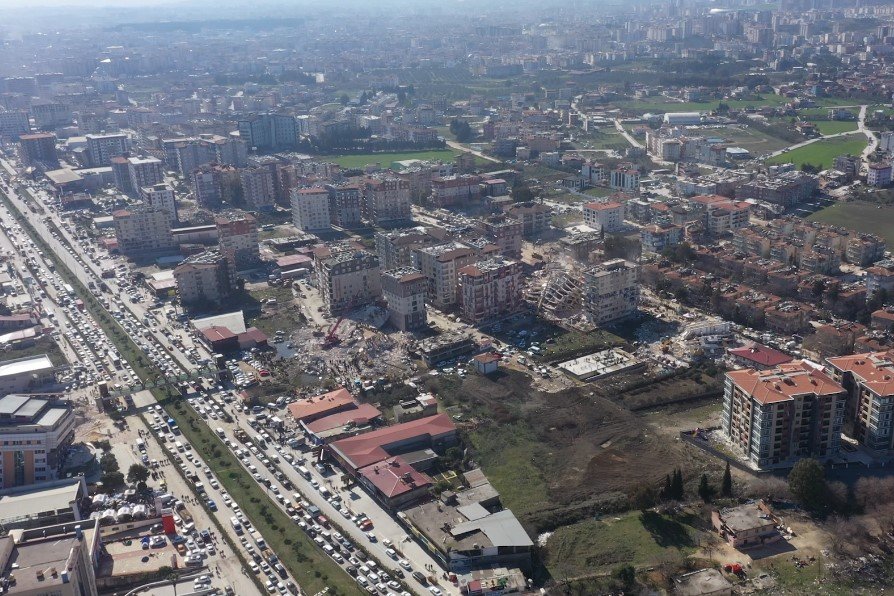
point(331, 340)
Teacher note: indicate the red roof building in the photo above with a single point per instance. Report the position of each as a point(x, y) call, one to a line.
point(313, 408)
point(394, 482)
point(758, 356)
point(337, 425)
point(433, 432)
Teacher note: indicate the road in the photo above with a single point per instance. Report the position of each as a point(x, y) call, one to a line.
point(620, 127)
point(463, 148)
point(861, 128)
point(87, 269)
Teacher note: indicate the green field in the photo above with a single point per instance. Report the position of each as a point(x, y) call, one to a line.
point(833, 127)
point(638, 539)
point(862, 217)
point(662, 104)
point(755, 141)
point(823, 153)
point(386, 159)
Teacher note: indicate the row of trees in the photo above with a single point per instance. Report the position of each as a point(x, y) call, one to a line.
point(645, 496)
point(112, 478)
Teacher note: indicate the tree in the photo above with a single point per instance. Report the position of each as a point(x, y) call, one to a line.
point(112, 480)
point(677, 491)
point(522, 193)
point(666, 492)
point(807, 483)
point(626, 574)
point(461, 130)
point(137, 473)
point(643, 497)
point(344, 99)
point(108, 463)
point(705, 490)
point(726, 485)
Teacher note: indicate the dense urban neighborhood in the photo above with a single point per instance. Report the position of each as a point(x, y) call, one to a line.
point(415, 298)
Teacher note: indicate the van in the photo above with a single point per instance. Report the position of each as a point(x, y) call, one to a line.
point(179, 446)
point(219, 431)
point(236, 525)
point(304, 472)
point(419, 577)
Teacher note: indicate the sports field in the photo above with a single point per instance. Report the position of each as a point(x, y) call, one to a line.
point(861, 217)
point(823, 153)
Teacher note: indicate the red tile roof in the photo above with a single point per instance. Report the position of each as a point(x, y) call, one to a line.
point(760, 355)
point(362, 414)
point(322, 405)
point(395, 477)
point(369, 448)
point(784, 382)
point(875, 370)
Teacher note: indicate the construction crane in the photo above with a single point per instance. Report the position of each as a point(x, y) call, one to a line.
point(331, 339)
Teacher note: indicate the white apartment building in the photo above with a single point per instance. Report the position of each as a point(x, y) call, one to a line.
point(143, 231)
point(310, 209)
point(780, 415)
point(608, 216)
point(489, 289)
point(612, 291)
point(386, 200)
point(238, 239)
point(440, 265)
point(102, 148)
point(160, 196)
point(144, 171)
point(869, 381)
point(624, 178)
point(258, 189)
point(404, 291)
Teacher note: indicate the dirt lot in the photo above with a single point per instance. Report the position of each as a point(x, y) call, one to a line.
point(558, 457)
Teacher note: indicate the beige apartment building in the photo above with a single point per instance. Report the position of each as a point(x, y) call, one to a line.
point(237, 234)
point(205, 277)
point(349, 279)
point(611, 292)
point(35, 432)
point(143, 231)
point(440, 265)
point(404, 291)
point(608, 216)
point(780, 415)
point(386, 200)
point(869, 381)
point(489, 289)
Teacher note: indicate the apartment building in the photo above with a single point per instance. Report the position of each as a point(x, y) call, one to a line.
point(38, 148)
point(786, 189)
point(214, 184)
point(869, 381)
point(35, 433)
point(395, 247)
point(624, 178)
point(102, 148)
point(726, 216)
point(440, 264)
point(611, 291)
point(143, 232)
point(258, 188)
point(348, 279)
point(657, 237)
point(386, 201)
point(404, 291)
point(878, 174)
point(880, 277)
point(160, 196)
point(535, 217)
point(504, 232)
point(780, 415)
point(344, 205)
point(237, 234)
point(14, 123)
point(144, 171)
point(185, 154)
point(50, 114)
point(864, 249)
point(205, 277)
point(489, 289)
point(608, 216)
point(268, 132)
point(310, 209)
point(449, 191)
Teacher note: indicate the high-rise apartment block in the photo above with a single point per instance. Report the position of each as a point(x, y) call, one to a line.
point(268, 132)
point(214, 184)
point(404, 291)
point(35, 433)
point(144, 171)
point(237, 233)
point(344, 205)
point(386, 201)
point(38, 148)
point(143, 231)
point(611, 292)
point(869, 382)
point(348, 279)
point(258, 188)
point(489, 289)
point(440, 265)
point(780, 415)
point(203, 278)
point(160, 196)
point(310, 209)
point(102, 148)
point(607, 217)
point(14, 123)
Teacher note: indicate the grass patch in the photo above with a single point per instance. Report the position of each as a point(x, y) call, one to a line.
point(505, 451)
point(823, 153)
point(362, 159)
point(600, 191)
point(834, 127)
point(859, 216)
point(574, 343)
point(638, 539)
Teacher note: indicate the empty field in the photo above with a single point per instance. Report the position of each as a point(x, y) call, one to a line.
point(862, 217)
point(363, 159)
point(833, 127)
point(823, 153)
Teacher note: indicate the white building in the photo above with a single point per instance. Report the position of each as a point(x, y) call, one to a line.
point(102, 148)
point(349, 279)
point(682, 118)
point(879, 174)
point(310, 209)
point(612, 291)
point(160, 196)
point(143, 231)
point(608, 217)
point(25, 374)
point(34, 435)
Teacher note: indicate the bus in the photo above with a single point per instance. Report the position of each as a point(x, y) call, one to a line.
point(68, 289)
